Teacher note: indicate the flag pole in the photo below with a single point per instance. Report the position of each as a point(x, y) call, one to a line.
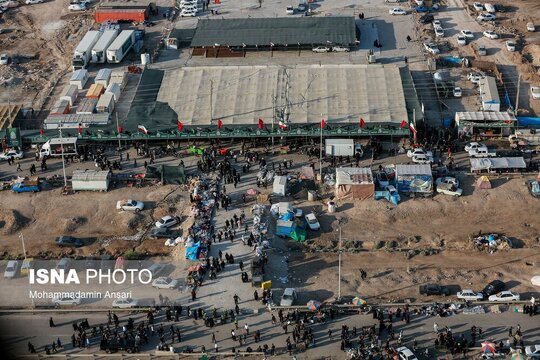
point(320, 153)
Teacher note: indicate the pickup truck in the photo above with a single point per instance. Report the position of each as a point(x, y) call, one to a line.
point(434, 289)
point(482, 152)
point(25, 187)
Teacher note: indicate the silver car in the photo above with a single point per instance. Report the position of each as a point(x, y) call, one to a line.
point(165, 283)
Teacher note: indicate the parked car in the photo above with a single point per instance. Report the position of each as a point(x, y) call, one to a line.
point(302, 8)
point(468, 34)
point(436, 23)
point(434, 289)
point(340, 49)
point(421, 159)
point(15, 154)
point(533, 351)
point(447, 180)
point(535, 92)
point(27, 264)
point(405, 353)
point(69, 241)
point(67, 299)
point(426, 19)
point(469, 295)
point(419, 151)
point(475, 77)
point(288, 298)
point(163, 233)
point(504, 296)
point(4, 59)
point(510, 45)
point(165, 283)
point(490, 34)
point(486, 17)
point(321, 49)
point(449, 189)
point(531, 27)
point(167, 221)
point(534, 187)
point(77, 7)
point(493, 287)
point(289, 10)
point(391, 189)
point(130, 205)
point(125, 303)
point(312, 221)
point(457, 92)
point(461, 40)
point(478, 6)
point(30, 2)
point(432, 48)
point(397, 11)
point(439, 32)
point(474, 146)
point(11, 269)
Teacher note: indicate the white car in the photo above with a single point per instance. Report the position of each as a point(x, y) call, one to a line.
point(421, 159)
point(461, 40)
point(469, 295)
point(533, 351)
point(439, 32)
point(77, 7)
point(397, 11)
point(66, 300)
point(167, 221)
point(432, 48)
point(129, 205)
point(288, 298)
point(189, 8)
point(478, 6)
point(531, 27)
point(15, 154)
point(340, 49)
point(419, 151)
point(535, 92)
point(321, 49)
point(458, 92)
point(447, 180)
point(475, 78)
point(289, 10)
point(510, 46)
point(504, 296)
point(4, 59)
point(449, 189)
point(11, 269)
point(468, 34)
point(486, 17)
point(312, 221)
point(165, 283)
point(30, 2)
point(186, 12)
point(490, 34)
point(405, 354)
point(125, 303)
point(436, 23)
point(474, 146)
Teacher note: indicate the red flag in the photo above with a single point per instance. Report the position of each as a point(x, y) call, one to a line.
point(180, 126)
point(403, 124)
point(362, 123)
point(323, 124)
point(261, 123)
point(219, 124)
point(120, 129)
point(41, 131)
point(80, 128)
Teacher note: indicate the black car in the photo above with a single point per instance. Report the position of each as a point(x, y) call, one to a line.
point(69, 241)
point(125, 344)
point(157, 233)
point(493, 287)
point(427, 19)
point(434, 289)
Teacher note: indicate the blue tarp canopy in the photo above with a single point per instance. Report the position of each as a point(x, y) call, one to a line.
point(528, 121)
point(192, 252)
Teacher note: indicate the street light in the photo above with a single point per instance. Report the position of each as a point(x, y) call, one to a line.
point(341, 221)
point(21, 236)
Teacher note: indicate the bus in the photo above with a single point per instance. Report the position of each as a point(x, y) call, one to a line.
point(121, 46)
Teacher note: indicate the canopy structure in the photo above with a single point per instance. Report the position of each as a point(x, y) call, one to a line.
point(356, 183)
point(168, 174)
point(494, 164)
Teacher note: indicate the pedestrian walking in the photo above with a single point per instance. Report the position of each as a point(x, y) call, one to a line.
point(19, 167)
point(51, 322)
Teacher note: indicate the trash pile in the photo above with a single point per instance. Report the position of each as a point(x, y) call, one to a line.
point(492, 242)
point(202, 209)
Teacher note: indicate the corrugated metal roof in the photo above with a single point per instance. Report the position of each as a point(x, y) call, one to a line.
point(483, 116)
point(90, 175)
point(497, 163)
point(416, 169)
point(354, 176)
point(488, 90)
point(103, 74)
point(277, 31)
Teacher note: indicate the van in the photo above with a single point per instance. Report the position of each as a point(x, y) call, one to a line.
point(482, 50)
point(489, 8)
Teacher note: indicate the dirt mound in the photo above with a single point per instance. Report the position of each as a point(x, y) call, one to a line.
point(135, 221)
point(11, 221)
point(71, 224)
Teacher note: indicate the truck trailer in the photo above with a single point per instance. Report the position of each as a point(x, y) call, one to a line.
point(342, 147)
point(121, 46)
point(99, 52)
point(83, 52)
point(53, 147)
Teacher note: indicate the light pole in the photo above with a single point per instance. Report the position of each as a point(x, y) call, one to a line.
point(29, 284)
point(341, 222)
point(63, 162)
point(320, 153)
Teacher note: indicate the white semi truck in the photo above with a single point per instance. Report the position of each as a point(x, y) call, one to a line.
point(83, 52)
point(99, 52)
point(121, 46)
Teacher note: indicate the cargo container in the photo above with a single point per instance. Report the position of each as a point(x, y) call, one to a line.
point(103, 76)
point(105, 103)
point(93, 180)
point(83, 51)
point(126, 14)
point(120, 78)
point(95, 91)
point(121, 46)
point(86, 106)
point(70, 93)
point(99, 52)
point(60, 108)
point(114, 89)
point(79, 78)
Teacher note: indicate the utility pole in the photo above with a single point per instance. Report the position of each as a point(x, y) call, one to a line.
point(517, 94)
point(29, 283)
point(320, 153)
point(273, 116)
point(63, 160)
point(119, 136)
point(341, 222)
point(211, 95)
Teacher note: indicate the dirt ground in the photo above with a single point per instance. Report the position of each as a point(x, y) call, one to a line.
point(43, 37)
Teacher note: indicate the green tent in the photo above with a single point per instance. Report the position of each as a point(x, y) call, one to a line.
point(167, 173)
point(299, 235)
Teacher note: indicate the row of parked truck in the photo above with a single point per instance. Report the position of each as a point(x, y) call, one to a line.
point(103, 46)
